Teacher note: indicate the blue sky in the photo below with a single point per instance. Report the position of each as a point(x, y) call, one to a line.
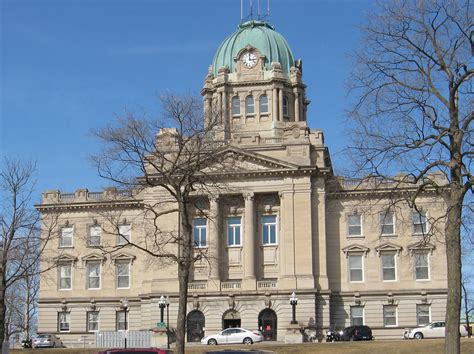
point(68, 66)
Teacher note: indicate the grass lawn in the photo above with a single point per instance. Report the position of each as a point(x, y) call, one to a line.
point(384, 347)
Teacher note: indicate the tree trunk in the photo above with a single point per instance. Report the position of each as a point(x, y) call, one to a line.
point(2, 312)
point(453, 256)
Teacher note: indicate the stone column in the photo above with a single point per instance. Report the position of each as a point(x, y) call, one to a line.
point(249, 238)
point(275, 105)
point(280, 105)
point(224, 108)
point(297, 106)
point(214, 239)
point(219, 104)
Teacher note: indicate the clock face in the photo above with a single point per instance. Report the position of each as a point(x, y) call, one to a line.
point(249, 60)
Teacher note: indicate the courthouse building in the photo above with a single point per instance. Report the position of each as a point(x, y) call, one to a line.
point(287, 224)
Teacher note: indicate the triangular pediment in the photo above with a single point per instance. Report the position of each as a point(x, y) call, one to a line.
point(93, 257)
point(234, 160)
point(388, 247)
point(66, 258)
point(421, 246)
point(123, 256)
point(355, 248)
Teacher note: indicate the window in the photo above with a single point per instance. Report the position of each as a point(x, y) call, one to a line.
point(388, 267)
point(422, 266)
point(200, 232)
point(354, 225)
point(92, 321)
point(249, 105)
point(234, 227)
point(65, 239)
point(123, 274)
point(390, 316)
point(236, 106)
point(121, 320)
point(63, 321)
point(419, 223)
point(269, 233)
point(356, 269)
point(423, 315)
point(93, 275)
point(65, 276)
point(285, 106)
point(263, 104)
point(125, 232)
point(387, 225)
point(357, 315)
point(95, 235)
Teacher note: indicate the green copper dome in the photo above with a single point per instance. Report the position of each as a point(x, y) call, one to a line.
point(257, 34)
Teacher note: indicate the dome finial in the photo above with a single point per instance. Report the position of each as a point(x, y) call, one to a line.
point(250, 17)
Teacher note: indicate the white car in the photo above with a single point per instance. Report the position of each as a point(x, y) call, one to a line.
point(432, 330)
point(47, 341)
point(233, 336)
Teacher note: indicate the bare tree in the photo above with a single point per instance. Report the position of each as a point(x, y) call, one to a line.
point(171, 163)
point(468, 306)
point(21, 241)
point(414, 112)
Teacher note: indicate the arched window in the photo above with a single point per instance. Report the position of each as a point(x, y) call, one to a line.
point(235, 106)
point(285, 106)
point(249, 105)
point(263, 104)
point(195, 326)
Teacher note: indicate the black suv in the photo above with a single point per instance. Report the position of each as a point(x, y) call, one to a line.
point(356, 333)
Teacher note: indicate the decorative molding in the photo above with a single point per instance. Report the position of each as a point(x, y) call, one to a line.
point(93, 256)
point(123, 256)
point(66, 258)
point(355, 248)
point(388, 246)
point(421, 246)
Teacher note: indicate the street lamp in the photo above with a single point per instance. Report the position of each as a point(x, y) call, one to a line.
point(293, 303)
point(168, 322)
point(162, 304)
point(125, 306)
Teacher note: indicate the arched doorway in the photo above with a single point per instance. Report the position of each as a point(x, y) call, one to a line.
point(195, 326)
point(230, 319)
point(267, 323)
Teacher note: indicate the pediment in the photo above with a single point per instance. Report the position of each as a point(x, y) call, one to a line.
point(66, 258)
point(355, 248)
point(123, 256)
point(388, 247)
point(235, 160)
point(93, 256)
point(421, 246)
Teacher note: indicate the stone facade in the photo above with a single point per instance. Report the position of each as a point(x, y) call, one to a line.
point(284, 224)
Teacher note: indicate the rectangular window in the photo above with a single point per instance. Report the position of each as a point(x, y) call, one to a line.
point(124, 234)
point(357, 315)
point(200, 232)
point(123, 274)
point(390, 316)
point(65, 238)
point(234, 227)
point(387, 225)
point(419, 223)
point(65, 276)
point(422, 266)
point(121, 320)
point(95, 235)
point(356, 269)
point(92, 321)
point(249, 105)
point(263, 104)
point(63, 321)
point(93, 275)
point(269, 230)
point(236, 106)
point(423, 315)
point(388, 267)
point(354, 225)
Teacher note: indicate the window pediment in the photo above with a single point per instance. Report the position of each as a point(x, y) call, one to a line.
point(123, 256)
point(66, 258)
point(421, 246)
point(355, 248)
point(388, 247)
point(94, 256)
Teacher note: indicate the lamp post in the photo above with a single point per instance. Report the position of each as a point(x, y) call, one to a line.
point(125, 306)
point(293, 303)
point(162, 304)
point(168, 322)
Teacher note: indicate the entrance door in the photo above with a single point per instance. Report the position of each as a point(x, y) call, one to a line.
point(195, 326)
point(267, 323)
point(230, 319)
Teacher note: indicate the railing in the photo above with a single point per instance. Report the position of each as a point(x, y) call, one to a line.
point(67, 196)
point(272, 140)
point(197, 286)
point(230, 285)
point(95, 195)
point(266, 284)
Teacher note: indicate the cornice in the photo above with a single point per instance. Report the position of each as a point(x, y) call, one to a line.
point(370, 193)
point(78, 206)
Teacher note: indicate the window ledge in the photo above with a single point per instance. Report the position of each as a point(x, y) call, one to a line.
point(234, 246)
point(389, 235)
point(65, 247)
point(355, 236)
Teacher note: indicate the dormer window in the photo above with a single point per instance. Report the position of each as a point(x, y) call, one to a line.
point(249, 105)
point(286, 112)
point(263, 104)
point(236, 106)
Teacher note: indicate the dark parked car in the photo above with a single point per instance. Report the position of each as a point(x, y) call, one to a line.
point(136, 351)
point(356, 333)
